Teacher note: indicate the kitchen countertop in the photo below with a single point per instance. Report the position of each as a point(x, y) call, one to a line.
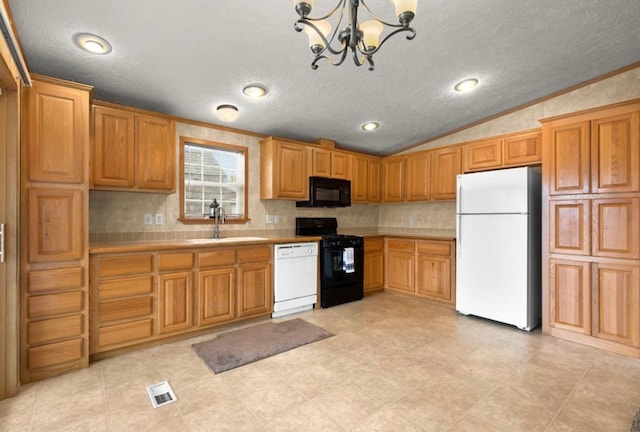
point(149, 246)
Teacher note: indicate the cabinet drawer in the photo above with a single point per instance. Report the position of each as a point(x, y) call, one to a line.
point(175, 261)
point(429, 248)
point(126, 332)
point(401, 245)
point(374, 244)
point(123, 309)
point(221, 257)
point(125, 287)
point(41, 281)
point(122, 265)
point(254, 254)
point(55, 304)
point(53, 329)
point(55, 353)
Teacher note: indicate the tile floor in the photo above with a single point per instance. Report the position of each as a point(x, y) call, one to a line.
point(395, 364)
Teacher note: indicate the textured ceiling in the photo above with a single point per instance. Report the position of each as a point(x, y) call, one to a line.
point(186, 57)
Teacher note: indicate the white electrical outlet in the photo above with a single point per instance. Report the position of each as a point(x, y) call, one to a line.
point(276, 219)
point(159, 218)
point(270, 219)
point(411, 219)
point(148, 219)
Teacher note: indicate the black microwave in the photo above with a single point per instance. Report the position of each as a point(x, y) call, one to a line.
point(327, 192)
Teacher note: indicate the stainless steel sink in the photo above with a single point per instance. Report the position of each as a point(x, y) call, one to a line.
point(225, 240)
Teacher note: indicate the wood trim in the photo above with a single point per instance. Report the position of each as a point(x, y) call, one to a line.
point(10, 108)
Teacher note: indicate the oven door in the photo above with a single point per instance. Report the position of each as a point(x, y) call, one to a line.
point(338, 270)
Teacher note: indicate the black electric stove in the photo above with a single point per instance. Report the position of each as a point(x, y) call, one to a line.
point(341, 261)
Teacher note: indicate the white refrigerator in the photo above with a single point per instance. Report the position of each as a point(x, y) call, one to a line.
point(498, 239)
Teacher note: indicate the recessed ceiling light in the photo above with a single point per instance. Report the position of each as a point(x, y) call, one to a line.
point(227, 113)
point(466, 85)
point(92, 43)
point(254, 91)
point(369, 126)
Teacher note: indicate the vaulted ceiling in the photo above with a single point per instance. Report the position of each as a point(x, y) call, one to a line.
point(184, 58)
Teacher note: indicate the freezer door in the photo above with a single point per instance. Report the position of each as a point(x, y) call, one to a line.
point(491, 268)
point(502, 191)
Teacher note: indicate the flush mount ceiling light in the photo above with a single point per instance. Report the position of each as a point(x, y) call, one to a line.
point(92, 43)
point(466, 85)
point(360, 37)
point(254, 91)
point(227, 113)
point(369, 126)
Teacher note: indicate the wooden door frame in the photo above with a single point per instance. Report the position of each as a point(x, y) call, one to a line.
point(10, 216)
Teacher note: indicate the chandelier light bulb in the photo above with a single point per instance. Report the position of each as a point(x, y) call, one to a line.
point(371, 33)
point(315, 40)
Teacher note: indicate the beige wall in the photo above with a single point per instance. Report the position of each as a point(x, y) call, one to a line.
point(120, 215)
point(619, 88)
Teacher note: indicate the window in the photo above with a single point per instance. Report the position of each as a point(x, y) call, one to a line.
point(212, 170)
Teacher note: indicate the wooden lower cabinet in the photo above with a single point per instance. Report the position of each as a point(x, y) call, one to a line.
point(425, 268)
point(254, 289)
point(373, 264)
point(570, 295)
point(147, 296)
point(400, 265)
point(616, 303)
point(175, 302)
point(216, 296)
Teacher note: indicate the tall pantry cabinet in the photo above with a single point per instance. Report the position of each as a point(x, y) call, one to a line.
point(591, 189)
point(54, 251)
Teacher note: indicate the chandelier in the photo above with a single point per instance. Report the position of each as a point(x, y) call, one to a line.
point(362, 39)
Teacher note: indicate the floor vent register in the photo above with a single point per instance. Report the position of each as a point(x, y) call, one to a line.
point(161, 394)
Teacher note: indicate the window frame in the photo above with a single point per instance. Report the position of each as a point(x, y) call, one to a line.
point(219, 146)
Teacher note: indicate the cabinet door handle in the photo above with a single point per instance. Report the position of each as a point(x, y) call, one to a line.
point(1, 243)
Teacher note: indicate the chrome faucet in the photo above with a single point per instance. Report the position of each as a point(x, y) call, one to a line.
point(217, 213)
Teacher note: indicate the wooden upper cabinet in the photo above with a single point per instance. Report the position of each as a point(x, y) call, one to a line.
point(132, 150)
point(113, 147)
point(522, 149)
point(568, 158)
point(482, 155)
point(365, 179)
point(374, 188)
point(615, 148)
point(330, 163)
point(341, 165)
point(446, 164)
point(320, 162)
point(283, 170)
point(360, 179)
point(393, 170)
point(418, 178)
point(155, 140)
point(58, 134)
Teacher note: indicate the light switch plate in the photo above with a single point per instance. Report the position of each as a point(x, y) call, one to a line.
point(148, 219)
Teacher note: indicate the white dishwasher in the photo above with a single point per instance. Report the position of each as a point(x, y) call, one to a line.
point(295, 277)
